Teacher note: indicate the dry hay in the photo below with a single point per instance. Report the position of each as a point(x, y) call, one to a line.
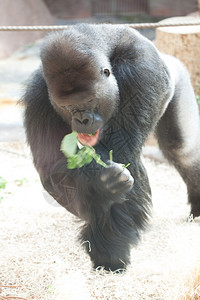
point(190, 288)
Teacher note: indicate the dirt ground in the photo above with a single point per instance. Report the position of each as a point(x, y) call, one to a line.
point(41, 254)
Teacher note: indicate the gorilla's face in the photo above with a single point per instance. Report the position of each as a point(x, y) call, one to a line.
point(82, 88)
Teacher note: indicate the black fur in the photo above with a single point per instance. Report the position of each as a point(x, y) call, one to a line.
point(129, 100)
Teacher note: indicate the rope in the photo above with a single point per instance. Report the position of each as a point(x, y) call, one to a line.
point(61, 27)
point(158, 24)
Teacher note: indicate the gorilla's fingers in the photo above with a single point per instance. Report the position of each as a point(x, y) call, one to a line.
point(117, 179)
point(113, 170)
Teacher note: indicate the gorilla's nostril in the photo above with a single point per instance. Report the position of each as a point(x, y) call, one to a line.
point(78, 121)
point(85, 121)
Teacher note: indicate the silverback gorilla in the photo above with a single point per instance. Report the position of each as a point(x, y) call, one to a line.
point(110, 81)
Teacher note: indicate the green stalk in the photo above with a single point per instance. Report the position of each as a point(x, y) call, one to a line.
point(111, 155)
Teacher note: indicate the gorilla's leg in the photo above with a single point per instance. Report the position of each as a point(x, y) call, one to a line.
point(178, 134)
point(107, 241)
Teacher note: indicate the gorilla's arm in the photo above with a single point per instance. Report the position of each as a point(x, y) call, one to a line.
point(145, 88)
point(45, 130)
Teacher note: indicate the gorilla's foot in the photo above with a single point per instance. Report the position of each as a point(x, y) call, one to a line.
point(117, 266)
point(195, 211)
point(194, 200)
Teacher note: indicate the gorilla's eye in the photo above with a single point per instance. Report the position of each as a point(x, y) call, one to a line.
point(106, 72)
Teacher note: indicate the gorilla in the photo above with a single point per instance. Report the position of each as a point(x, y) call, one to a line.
point(113, 87)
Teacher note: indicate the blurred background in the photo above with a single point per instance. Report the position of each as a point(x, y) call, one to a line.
point(50, 12)
point(19, 50)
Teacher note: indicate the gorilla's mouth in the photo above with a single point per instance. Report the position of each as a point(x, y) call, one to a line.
point(89, 139)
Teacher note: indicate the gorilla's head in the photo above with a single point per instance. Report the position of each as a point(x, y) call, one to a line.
point(81, 85)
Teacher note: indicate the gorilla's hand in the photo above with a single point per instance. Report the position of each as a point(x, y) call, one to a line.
point(116, 178)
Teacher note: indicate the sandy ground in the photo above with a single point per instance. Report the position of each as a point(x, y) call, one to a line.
point(40, 251)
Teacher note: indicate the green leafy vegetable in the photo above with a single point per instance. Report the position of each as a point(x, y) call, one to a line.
point(111, 155)
point(80, 159)
point(3, 183)
point(91, 134)
point(126, 166)
point(21, 182)
point(69, 144)
point(77, 159)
